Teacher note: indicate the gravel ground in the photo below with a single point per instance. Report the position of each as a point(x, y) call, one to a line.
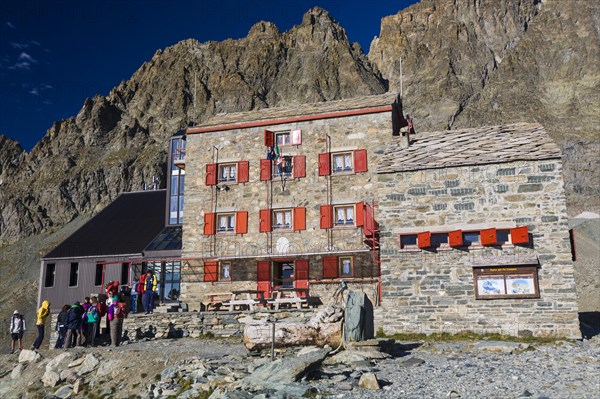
point(453, 370)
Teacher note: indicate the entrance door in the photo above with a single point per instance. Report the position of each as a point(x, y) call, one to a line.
point(283, 274)
point(169, 279)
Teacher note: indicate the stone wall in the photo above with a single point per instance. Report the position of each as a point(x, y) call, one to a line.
point(433, 290)
point(370, 132)
point(193, 324)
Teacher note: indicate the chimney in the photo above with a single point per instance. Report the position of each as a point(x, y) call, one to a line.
point(401, 126)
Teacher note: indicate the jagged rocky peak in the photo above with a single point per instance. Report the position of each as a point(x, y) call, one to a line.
point(264, 30)
point(11, 157)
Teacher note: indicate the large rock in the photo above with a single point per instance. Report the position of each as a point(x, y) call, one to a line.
point(16, 372)
point(358, 317)
point(88, 365)
point(29, 356)
point(51, 378)
point(369, 381)
point(60, 362)
point(283, 371)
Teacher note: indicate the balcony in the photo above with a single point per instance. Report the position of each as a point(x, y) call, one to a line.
point(179, 158)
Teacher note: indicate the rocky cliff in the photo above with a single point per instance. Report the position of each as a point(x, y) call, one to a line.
point(473, 63)
point(117, 142)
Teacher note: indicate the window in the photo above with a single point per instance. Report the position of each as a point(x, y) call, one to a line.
point(344, 215)
point(503, 237)
point(98, 276)
point(225, 271)
point(227, 172)
point(74, 274)
point(282, 219)
point(408, 241)
point(283, 138)
point(346, 266)
point(124, 273)
point(439, 239)
point(470, 238)
point(283, 166)
point(496, 282)
point(342, 162)
point(226, 222)
point(50, 272)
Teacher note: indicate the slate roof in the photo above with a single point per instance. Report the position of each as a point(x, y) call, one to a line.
point(349, 104)
point(125, 226)
point(475, 146)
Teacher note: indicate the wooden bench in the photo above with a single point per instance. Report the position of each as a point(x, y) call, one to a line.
point(246, 299)
point(293, 299)
point(217, 299)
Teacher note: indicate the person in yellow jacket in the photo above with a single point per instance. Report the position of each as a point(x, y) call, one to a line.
point(42, 314)
point(150, 285)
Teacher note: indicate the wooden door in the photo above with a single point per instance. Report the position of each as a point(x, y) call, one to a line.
point(301, 275)
point(263, 277)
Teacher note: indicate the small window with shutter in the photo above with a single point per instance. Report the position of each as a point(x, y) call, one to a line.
point(343, 215)
point(282, 219)
point(408, 241)
point(227, 172)
point(225, 222)
point(224, 271)
point(346, 265)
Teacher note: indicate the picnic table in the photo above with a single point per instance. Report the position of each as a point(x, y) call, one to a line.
point(244, 298)
point(216, 300)
point(288, 296)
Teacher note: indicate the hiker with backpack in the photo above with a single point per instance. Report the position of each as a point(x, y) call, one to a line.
point(93, 321)
point(150, 285)
point(17, 329)
point(61, 326)
point(117, 311)
point(74, 317)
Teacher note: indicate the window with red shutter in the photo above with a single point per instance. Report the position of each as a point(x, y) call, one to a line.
point(360, 214)
point(488, 237)
point(324, 164)
point(360, 161)
point(211, 174)
point(265, 169)
point(264, 216)
point(519, 235)
point(263, 277)
point(299, 162)
point(330, 267)
point(326, 221)
point(269, 138)
point(455, 238)
point(301, 274)
point(243, 172)
point(299, 218)
point(241, 222)
point(424, 239)
point(211, 271)
point(209, 224)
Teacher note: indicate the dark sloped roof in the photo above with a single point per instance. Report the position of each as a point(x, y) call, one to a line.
point(125, 226)
point(320, 108)
point(475, 146)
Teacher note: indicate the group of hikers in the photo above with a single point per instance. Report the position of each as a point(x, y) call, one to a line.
point(79, 324)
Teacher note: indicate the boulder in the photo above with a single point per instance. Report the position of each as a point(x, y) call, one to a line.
point(60, 362)
point(501, 346)
point(16, 372)
point(369, 381)
point(29, 356)
point(51, 378)
point(76, 362)
point(64, 392)
point(88, 365)
point(358, 317)
point(77, 386)
point(346, 357)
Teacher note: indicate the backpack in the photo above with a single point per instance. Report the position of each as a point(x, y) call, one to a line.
point(102, 309)
point(120, 310)
point(92, 315)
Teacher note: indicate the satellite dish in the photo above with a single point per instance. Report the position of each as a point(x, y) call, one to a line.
point(283, 245)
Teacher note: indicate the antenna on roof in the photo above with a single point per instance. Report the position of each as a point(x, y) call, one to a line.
point(195, 109)
point(400, 77)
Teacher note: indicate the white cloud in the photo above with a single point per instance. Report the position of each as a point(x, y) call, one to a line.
point(35, 42)
point(10, 25)
point(21, 65)
point(19, 46)
point(34, 91)
point(26, 57)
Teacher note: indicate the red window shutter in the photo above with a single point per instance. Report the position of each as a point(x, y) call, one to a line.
point(211, 270)
point(360, 214)
point(488, 237)
point(369, 219)
point(265, 169)
point(360, 161)
point(299, 163)
point(211, 174)
point(455, 238)
point(324, 164)
point(264, 216)
point(326, 216)
point(263, 277)
point(424, 239)
point(519, 235)
point(301, 274)
point(330, 267)
point(269, 138)
point(209, 224)
point(241, 222)
point(299, 218)
point(243, 172)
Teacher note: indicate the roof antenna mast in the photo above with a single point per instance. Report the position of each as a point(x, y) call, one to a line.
point(195, 109)
point(401, 77)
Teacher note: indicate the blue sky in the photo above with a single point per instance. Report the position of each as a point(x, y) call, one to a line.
point(54, 54)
